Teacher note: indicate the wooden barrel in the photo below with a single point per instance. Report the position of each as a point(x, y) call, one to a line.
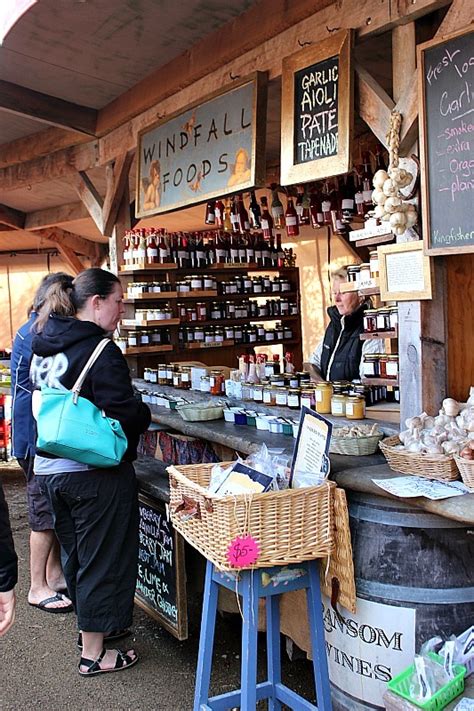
point(414, 579)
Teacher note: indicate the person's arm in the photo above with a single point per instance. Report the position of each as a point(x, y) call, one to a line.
point(314, 364)
point(8, 569)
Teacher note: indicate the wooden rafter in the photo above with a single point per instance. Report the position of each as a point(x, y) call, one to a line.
point(50, 216)
point(12, 218)
point(47, 109)
point(90, 197)
point(117, 178)
point(71, 258)
point(78, 244)
point(375, 105)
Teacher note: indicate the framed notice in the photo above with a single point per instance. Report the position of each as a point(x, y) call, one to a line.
point(161, 580)
point(405, 272)
point(317, 111)
point(446, 89)
point(213, 148)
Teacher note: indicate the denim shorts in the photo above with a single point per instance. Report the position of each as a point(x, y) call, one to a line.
point(40, 516)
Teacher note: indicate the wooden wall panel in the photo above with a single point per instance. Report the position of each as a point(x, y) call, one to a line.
point(460, 270)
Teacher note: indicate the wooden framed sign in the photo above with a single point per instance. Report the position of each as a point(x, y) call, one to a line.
point(446, 88)
point(213, 148)
point(405, 272)
point(161, 581)
point(317, 111)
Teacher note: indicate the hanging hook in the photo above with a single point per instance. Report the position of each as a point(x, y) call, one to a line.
point(332, 29)
point(234, 77)
point(303, 44)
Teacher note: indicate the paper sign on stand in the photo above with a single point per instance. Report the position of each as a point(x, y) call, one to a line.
point(311, 454)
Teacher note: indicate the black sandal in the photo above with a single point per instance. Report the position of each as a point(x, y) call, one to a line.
point(107, 637)
point(123, 661)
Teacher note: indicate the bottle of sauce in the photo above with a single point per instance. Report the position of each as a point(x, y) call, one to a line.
point(291, 219)
point(277, 209)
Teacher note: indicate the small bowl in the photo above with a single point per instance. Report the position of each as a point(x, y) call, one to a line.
point(287, 428)
point(295, 428)
point(229, 415)
point(262, 422)
point(240, 418)
point(275, 427)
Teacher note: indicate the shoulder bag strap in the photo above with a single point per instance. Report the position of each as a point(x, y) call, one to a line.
point(76, 388)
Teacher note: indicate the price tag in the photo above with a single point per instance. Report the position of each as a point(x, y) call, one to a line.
point(243, 551)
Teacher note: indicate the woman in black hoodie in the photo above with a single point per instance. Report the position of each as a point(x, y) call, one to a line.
point(96, 510)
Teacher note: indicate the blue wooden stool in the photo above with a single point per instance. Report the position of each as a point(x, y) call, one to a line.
point(268, 583)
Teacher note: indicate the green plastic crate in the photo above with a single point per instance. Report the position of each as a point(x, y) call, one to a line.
point(401, 685)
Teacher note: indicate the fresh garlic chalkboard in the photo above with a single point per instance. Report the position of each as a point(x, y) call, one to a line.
point(317, 111)
point(160, 588)
point(447, 142)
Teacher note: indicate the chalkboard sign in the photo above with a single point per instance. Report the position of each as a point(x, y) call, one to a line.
point(160, 589)
point(447, 142)
point(317, 111)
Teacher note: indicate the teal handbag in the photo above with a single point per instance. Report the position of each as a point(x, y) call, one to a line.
point(72, 427)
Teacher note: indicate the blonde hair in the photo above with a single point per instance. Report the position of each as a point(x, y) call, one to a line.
point(340, 272)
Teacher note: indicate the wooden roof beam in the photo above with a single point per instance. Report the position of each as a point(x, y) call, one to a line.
point(71, 258)
point(78, 244)
point(12, 218)
point(51, 216)
point(375, 105)
point(47, 109)
point(117, 178)
point(90, 197)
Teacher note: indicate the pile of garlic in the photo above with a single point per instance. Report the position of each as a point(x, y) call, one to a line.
point(451, 432)
point(389, 203)
point(357, 431)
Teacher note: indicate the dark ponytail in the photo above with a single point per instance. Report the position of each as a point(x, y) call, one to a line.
point(55, 298)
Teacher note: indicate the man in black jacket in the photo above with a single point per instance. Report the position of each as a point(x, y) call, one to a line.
point(8, 569)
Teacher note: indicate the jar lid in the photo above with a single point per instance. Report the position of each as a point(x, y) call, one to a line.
point(353, 268)
point(322, 386)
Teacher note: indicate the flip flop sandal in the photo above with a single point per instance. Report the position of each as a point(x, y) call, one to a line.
point(107, 638)
point(123, 661)
point(53, 610)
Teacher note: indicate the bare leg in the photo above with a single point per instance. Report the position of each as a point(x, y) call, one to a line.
point(41, 545)
point(93, 643)
point(54, 571)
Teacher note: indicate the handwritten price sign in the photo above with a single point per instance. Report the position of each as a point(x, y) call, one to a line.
point(243, 552)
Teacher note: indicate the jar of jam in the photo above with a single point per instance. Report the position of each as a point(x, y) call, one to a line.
point(155, 336)
point(383, 319)
point(382, 365)
point(270, 335)
point(257, 285)
point(370, 321)
point(364, 274)
point(393, 314)
point(209, 283)
point(281, 396)
point(122, 343)
point(293, 380)
point(338, 405)
point(153, 375)
point(219, 335)
point(201, 311)
point(374, 264)
point(216, 382)
point(323, 394)
point(262, 310)
point(355, 407)
point(294, 398)
point(285, 284)
point(209, 335)
point(392, 366)
point(277, 380)
point(186, 377)
point(269, 395)
point(229, 333)
point(353, 273)
point(304, 377)
point(287, 333)
point(284, 307)
point(205, 384)
point(196, 282)
point(162, 372)
point(258, 393)
point(144, 338)
point(275, 286)
point(216, 312)
point(238, 334)
point(230, 309)
point(308, 397)
point(133, 339)
point(169, 374)
point(370, 365)
point(252, 335)
point(177, 379)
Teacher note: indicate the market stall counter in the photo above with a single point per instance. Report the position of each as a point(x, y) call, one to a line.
point(412, 563)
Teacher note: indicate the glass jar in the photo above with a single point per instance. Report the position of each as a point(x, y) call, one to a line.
point(229, 309)
point(270, 335)
point(155, 336)
point(338, 405)
point(205, 384)
point(285, 284)
point(216, 382)
point(257, 285)
point(162, 372)
point(277, 380)
point(218, 335)
point(370, 320)
point(199, 334)
point(392, 366)
point(287, 333)
point(382, 365)
point(122, 343)
point(229, 333)
point(169, 374)
point(355, 407)
point(208, 283)
point(294, 398)
point(258, 393)
point(186, 377)
point(279, 332)
point(293, 380)
point(269, 395)
point(153, 375)
point(191, 314)
point(133, 339)
point(177, 379)
point(216, 312)
point(281, 395)
point(201, 311)
point(209, 335)
point(308, 397)
point(144, 337)
point(238, 334)
point(374, 264)
point(146, 375)
point(393, 314)
point(364, 274)
point(323, 394)
point(353, 273)
point(275, 286)
point(262, 310)
point(383, 320)
point(370, 365)
point(284, 307)
point(196, 282)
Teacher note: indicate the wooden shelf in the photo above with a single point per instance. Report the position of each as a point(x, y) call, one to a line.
point(141, 350)
point(240, 321)
point(380, 381)
point(158, 296)
point(146, 267)
point(379, 334)
point(162, 323)
point(197, 294)
point(214, 344)
point(351, 287)
point(373, 241)
point(232, 344)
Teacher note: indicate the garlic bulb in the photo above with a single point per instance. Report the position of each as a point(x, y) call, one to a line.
point(379, 178)
point(451, 407)
point(389, 188)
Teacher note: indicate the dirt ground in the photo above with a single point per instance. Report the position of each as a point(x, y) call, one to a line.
point(38, 657)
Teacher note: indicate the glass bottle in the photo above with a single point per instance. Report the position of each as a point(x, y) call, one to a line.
point(151, 248)
point(277, 209)
point(244, 222)
point(348, 191)
point(302, 205)
point(280, 253)
point(219, 213)
point(336, 213)
point(210, 216)
point(227, 216)
point(200, 255)
point(255, 212)
point(315, 210)
point(234, 214)
point(222, 255)
point(266, 219)
point(250, 250)
point(141, 250)
point(367, 176)
point(327, 203)
point(359, 195)
point(291, 219)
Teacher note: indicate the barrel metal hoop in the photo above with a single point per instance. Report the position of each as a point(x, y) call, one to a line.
point(399, 518)
point(400, 593)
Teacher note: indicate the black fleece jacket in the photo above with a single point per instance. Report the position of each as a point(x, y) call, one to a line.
point(60, 352)
point(8, 559)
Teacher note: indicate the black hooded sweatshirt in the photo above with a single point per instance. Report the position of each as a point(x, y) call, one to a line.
point(61, 351)
point(342, 347)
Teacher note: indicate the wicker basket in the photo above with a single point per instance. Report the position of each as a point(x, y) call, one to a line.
point(196, 413)
point(289, 526)
point(466, 470)
point(429, 466)
point(357, 446)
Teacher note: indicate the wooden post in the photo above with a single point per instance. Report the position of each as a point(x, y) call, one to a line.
point(121, 226)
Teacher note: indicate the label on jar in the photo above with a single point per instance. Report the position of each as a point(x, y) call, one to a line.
point(257, 288)
point(252, 337)
point(267, 397)
point(176, 380)
point(229, 334)
point(208, 283)
point(291, 220)
point(380, 323)
point(319, 396)
point(196, 283)
point(337, 408)
point(349, 408)
point(281, 399)
point(144, 339)
point(392, 369)
point(185, 377)
point(198, 335)
point(269, 336)
point(258, 395)
point(162, 374)
point(347, 204)
point(293, 400)
point(153, 376)
point(369, 370)
point(212, 381)
point(306, 401)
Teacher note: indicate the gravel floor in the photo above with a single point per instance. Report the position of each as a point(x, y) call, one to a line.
point(38, 657)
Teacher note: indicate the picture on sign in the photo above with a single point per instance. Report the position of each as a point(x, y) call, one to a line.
point(405, 272)
point(317, 111)
point(160, 588)
point(310, 463)
point(214, 148)
point(446, 87)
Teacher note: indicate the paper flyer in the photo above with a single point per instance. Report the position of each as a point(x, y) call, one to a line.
point(412, 486)
point(311, 454)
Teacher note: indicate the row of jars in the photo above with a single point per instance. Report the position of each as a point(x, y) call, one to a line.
point(361, 273)
point(380, 365)
point(237, 285)
point(380, 320)
point(142, 337)
point(179, 376)
point(239, 334)
point(201, 311)
point(137, 288)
